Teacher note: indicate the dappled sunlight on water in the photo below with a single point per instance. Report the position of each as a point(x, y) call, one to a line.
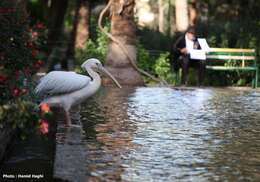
point(162, 134)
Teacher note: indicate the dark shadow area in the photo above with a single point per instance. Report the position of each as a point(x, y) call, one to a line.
point(30, 159)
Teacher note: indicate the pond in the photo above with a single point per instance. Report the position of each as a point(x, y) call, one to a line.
point(164, 134)
point(154, 134)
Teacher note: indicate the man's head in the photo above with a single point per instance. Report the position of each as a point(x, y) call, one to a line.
point(191, 33)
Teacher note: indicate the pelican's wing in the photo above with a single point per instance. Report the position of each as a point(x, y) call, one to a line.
point(59, 82)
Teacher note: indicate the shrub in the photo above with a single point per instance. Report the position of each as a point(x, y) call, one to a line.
point(163, 69)
point(20, 57)
point(144, 60)
point(94, 48)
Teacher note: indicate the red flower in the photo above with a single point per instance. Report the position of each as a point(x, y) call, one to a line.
point(45, 107)
point(2, 78)
point(29, 45)
point(44, 126)
point(16, 92)
point(40, 62)
point(40, 25)
point(35, 35)
point(34, 52)
point(36, 66)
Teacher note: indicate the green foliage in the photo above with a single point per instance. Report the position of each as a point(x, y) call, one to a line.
point(19, 52)
point(153, 40)
point(232, 24)
point(37, 11)
point(94, 48)
point(144, 60)
point(13, 40)
point(156, 64)
point(162, 68)
point(20, 59)
point(20, 114)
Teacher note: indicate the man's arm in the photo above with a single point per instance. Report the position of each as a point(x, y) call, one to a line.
point(175, 54)
point(180, 45)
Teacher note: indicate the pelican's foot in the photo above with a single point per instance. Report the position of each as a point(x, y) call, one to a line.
point(68, 122)
point(68, 119)
point(75, 126)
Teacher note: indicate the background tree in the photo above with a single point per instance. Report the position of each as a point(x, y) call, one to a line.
point(55, 26)
point(164, 16)
point(224, 23)
point(82, 34)
point(68, 61)
point(79, 33)
point(123, 28)
point(161, 17)
point(55, 21)
point(193, 12)
point(182, 19)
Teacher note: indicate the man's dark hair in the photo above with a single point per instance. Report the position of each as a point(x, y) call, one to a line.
point(191, 29)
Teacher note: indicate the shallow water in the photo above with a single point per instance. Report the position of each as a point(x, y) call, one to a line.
point(152, 134)
point(163, 134)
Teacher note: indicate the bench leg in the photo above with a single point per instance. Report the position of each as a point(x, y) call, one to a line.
point(177, 77)
point(256, 78)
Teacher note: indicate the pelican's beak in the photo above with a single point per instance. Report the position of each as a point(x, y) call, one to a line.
point(111, 76)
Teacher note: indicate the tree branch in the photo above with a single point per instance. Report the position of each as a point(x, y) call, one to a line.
point(120, 44)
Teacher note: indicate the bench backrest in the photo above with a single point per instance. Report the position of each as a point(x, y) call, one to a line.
point(227, 54)
point(231, 54)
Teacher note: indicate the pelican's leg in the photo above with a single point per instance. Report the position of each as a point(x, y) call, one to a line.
point(68, 119)
point(75, 117)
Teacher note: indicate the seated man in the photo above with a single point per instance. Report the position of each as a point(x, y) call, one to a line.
point(181, 49)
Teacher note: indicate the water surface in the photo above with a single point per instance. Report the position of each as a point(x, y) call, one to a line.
point(164, 134)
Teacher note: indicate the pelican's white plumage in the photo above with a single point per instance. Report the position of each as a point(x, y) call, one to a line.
point(60, 82)
point(65, 89)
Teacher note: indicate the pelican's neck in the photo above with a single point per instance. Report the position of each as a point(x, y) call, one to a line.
point(96, 80)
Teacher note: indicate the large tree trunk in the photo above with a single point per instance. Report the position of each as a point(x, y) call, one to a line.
point(123, 28)
point(55, 25)
point(82, 34)
point(79, 33)
point(161, 16)
point(193, 12)
point(164, 22)
point(172, 18)
point(68, 61)
point(55, 21)
point(182, 18)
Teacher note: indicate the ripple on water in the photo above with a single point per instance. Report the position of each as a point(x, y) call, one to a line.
point(162, 134)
